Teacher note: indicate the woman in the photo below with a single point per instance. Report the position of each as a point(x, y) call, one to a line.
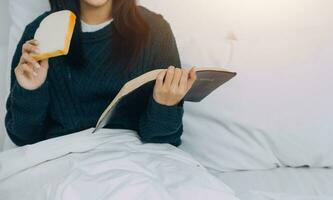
point(113, 42)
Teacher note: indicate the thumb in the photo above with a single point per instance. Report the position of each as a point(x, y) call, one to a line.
point(192, 78)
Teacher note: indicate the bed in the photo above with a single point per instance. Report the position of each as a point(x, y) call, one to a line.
point(265, 138)
point(115, 165)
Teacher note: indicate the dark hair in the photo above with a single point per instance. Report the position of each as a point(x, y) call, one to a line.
point(130, 29)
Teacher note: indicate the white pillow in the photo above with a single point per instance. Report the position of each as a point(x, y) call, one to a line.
point(22, 12)
point(278, 111)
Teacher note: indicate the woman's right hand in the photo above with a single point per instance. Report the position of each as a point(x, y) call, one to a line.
point(31, 74)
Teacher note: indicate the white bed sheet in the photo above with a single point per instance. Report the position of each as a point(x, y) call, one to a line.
point(281, 184)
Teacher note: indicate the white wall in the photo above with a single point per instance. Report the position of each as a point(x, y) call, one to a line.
point(4, 29)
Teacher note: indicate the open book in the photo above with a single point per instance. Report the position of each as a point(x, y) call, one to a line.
point(208, 79)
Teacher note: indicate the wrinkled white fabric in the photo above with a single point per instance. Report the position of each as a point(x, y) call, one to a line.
point(111, 164)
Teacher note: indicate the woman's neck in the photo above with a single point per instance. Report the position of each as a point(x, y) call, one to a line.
point(96, 15)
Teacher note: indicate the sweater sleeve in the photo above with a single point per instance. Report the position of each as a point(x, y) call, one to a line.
point(160, 123)
point(26, 109)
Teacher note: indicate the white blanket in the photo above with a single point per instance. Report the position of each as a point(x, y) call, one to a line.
point(111, 164)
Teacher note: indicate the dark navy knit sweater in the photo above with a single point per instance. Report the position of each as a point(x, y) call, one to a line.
point(72, 98)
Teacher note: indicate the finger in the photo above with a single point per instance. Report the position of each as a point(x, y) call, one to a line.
point(169, 76)
point(30, 48)
point(28, 69)
point(193, 73)
point(183, 80)
point(26, 58)
point(160, 78)
point(44, 63)
point(176, 78)
point(192, 78)
point(18, 70)
point(34, 42)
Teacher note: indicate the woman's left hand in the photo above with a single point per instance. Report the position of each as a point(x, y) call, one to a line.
point(172, 85)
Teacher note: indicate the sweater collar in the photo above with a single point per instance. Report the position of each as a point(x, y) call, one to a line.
point(100, 34)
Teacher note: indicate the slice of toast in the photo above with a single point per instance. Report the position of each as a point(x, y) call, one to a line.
point(54, 35)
